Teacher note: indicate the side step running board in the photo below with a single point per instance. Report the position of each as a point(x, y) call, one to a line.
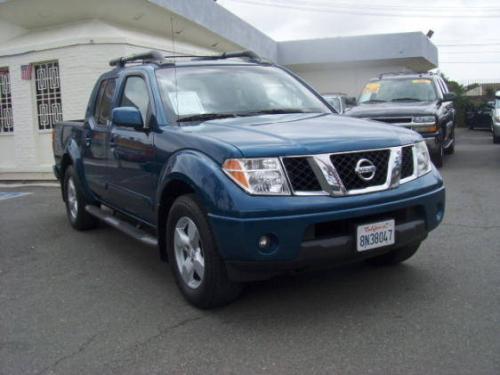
point(122, 226)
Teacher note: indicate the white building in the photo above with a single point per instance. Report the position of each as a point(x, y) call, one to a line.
point(66, 44)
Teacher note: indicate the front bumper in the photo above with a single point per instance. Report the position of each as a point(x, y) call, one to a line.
point(417, 206)
point(324, 252)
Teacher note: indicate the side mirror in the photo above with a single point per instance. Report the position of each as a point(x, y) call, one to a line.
point(129, 117)
point(449, 97)
point(350, 100)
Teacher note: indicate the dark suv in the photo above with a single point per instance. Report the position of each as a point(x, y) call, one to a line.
point(418, 101)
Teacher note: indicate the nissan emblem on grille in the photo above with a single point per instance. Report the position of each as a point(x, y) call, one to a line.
point(365, 169)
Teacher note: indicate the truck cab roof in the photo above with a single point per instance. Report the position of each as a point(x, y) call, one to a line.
point(405, 75)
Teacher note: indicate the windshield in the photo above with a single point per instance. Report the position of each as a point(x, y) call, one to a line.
point(204, 92)
point(394, 90)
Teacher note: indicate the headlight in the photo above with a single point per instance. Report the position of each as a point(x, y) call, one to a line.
point(423, 159)
point(497, 118)
point(424, 119)
point(258, 176)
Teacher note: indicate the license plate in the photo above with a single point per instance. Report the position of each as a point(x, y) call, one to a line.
point(371, 236)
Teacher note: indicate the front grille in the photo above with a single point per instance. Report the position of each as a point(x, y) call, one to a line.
point(356, 175)
point(301, 175)
point(407, 162)
point(346, 164)
point(393, 120)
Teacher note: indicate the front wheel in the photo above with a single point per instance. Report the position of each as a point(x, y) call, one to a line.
point(395, 256)
point(496, 138)
point(199, 270)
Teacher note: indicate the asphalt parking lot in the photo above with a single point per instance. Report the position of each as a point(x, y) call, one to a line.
point(98, 302)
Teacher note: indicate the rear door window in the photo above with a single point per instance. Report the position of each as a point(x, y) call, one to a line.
point(104, 103)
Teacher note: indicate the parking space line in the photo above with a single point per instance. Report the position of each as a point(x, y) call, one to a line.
point(10, 195)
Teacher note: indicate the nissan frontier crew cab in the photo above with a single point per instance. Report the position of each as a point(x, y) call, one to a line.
point(237, 170)
point(417, 101)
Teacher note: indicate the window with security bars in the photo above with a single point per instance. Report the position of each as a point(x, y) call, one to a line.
point(6, 120)
point(48, 94)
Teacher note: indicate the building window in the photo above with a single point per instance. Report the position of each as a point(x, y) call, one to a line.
point(48, 94)
point(6, 120)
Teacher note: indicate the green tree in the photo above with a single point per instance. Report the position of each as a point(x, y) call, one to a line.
point(462, 103)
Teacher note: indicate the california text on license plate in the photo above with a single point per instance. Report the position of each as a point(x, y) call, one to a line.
point(371, 236)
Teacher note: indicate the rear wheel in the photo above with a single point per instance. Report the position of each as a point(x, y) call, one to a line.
point(199, 271)
point(496, 138)
point(78, 217)
point(395, 256)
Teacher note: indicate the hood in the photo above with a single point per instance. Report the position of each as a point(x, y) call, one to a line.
point(393, 109)
point(300, 134)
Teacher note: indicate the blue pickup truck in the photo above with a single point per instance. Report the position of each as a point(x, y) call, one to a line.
point(237, 170)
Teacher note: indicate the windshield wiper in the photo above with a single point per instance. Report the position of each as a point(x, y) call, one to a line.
point(213, 116)
point(276, 111)
point(205, 117)
point(374, 101)
point(406, 100)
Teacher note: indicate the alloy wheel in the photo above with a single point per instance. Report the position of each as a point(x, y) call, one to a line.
point(72, 199)
point(189, 256)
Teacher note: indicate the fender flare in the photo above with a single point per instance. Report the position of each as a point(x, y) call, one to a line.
point(72, 150)
point(203, 175)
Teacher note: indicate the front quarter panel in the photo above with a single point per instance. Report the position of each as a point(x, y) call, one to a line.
point(204, 176)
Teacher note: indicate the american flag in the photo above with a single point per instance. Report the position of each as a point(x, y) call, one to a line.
point(26, 72)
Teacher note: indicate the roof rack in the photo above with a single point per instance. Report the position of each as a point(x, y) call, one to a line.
point(147, 57)
point(408, 72)
point(157, 58)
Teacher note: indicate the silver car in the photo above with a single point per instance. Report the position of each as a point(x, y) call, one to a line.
point(495, 119)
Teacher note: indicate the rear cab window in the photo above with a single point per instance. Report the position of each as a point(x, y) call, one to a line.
point(104, 102)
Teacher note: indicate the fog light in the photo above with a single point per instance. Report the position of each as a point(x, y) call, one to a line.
point(439, 212)
point(264, 242)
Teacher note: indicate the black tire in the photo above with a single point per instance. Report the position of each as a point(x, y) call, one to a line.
point(81, 219)
point(214, 289)
point(496, 139)
point(438, 157)
point(395, 256)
